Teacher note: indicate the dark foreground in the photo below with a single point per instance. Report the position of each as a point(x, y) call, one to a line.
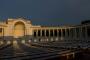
point(28, 51)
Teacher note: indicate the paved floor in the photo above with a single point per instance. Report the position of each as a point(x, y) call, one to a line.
point(23, 50)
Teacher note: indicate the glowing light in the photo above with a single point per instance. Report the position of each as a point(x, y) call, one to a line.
point(47, 39)
point(16, 47)
point(1, 42)
point(23, 41)
point(14, 42)
point(51, 39)
point(8, 42)
point(57, 39)
point(41, 40)
point(29, 41)
point(35, 40)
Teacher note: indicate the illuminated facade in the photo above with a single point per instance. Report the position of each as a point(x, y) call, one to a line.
point(23, 28)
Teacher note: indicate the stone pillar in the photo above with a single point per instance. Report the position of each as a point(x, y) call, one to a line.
point(86, 36)
point(25, 33)
point(53, 33)
point(3, 33)
point(75, 34)
point(49, 33)
point(61, 34)
point(36, 32)
point(65, 33)
point(72, 33)
point(45, 32)
point(81, 33)
point(41, 32)
point(69, 33)
point(57, 33)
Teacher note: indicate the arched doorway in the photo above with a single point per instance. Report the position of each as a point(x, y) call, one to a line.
point(19, 29)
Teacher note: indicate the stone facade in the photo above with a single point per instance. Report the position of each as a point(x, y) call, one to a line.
point(23, 28)
point(16, 28)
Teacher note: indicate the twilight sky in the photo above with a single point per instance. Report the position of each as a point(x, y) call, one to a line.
point(55, 12)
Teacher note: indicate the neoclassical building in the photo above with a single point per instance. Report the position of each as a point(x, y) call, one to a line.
point(20, 28)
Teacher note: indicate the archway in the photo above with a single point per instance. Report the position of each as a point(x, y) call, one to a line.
point(19, 29)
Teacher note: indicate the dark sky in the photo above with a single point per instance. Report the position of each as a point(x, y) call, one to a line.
point(55, 12)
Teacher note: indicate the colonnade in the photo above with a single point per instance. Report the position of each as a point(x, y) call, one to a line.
point(78, 32)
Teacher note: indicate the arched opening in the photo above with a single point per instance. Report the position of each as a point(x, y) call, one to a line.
point(19, 29)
